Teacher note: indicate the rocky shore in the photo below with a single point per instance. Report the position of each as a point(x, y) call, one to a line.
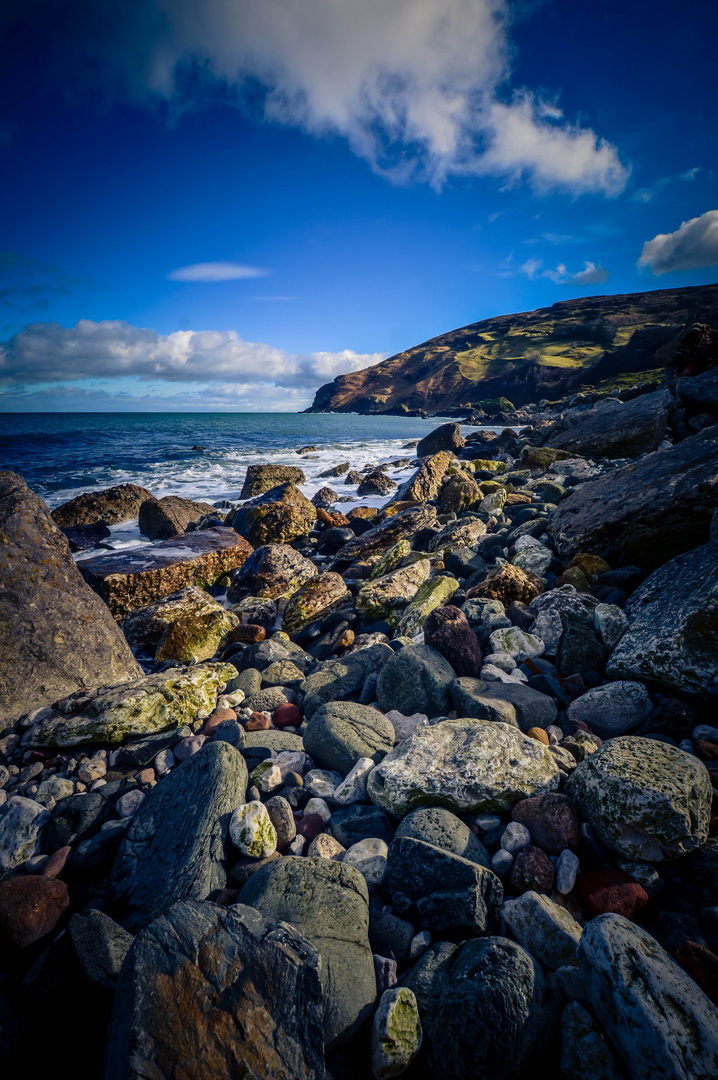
point(427, 790)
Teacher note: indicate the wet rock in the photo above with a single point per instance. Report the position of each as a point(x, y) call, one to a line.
point(242, 986)
point(30, 908)
point(45, 604)
point(131, 579)
point(340, 733)
point(459, 492)
point(376, 483)
point(279, 516)
point(86, 537)
point(271, 571)
point(121, 503)
point(262, 478)
point(161, 518)
point(661, 1022)
point(462, 765)
point(415, 680)
point(645, 799)
point(175, 847)
point(314, 600)
point(328, 903)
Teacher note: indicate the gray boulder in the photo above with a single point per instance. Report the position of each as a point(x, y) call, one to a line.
point(645, 799)
point(510, 703)
point(341, 732)
point(415, 680)
point(328, 902)
point(437, 826)
point(161, 518)
point(614, 709)
point(174, 848)
point(663, 1025)
point(279, 516)
point(401, 526)
point(485, 1007)
point(622, 430)
point(335, 680)
point(208, 991)
point(47, 611)
point(672, 635)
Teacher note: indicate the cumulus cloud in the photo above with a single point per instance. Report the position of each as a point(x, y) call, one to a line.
point(692, 247)
point(590, 275)
point(418, 88)
point(216, 271)
point(49, 353)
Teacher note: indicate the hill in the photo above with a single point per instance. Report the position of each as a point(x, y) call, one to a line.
point(526, 356)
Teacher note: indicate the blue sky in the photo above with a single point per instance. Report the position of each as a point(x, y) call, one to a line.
point(367, 176)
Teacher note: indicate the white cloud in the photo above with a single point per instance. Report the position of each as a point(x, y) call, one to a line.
point(50, 353)
point(216, 271)
point(692, 247)
point(590, 275)
point(418, 88)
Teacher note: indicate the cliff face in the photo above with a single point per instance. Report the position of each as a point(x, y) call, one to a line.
point(534, 354)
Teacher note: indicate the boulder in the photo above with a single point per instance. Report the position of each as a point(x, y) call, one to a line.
point(314, 600)
point(386, 597)
point(425, 484)
point(112, 714)
point(340, 733)
point(376, 483)
point(174, 848)
point(507, 583)
point(217, 991)
point(464, 532)
point(440, 891)
point(46, 611)
point(30, 908)
point(22, 822)
point(437, 826)
point(672, 635)
point(327, 902)
point(458, 493)
point(654, 1013)
point(483, 1002)
point(271, 571)
point(279, 516)
point(401, 526)
point(335, 680)
point(262, 478)
point(169, 516)
point(617, 708)
point(430, 595)
point(699, 392)
point(134, 578)
point(415, 680)
point(186, 625)
point(121, 503)
point(624, 430)
point(645, 799)
point(447, 630)
point(645, 513)
point(76, 818)
point(547, 930)
point(462, 764)
point(446, 437)
point(86, 537)
point(479, 697)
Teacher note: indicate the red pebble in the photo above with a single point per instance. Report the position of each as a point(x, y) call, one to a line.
point(603, 891)
point(310, 826)
point(258, 721)
point(287, 716)
point(532, 869)
point(57, 862)
point(217, 717)
point(30, 907)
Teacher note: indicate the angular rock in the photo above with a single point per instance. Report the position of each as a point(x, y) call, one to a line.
point(262, 478)
point(279, 516)
point(645, 799)
point(584, 1054)
point(175, 846)
point(328, 902)
point(77, 818)
point(161, 518)
point(462, 764)
point(145, 627)
point(45, 610)
point(661, 1022)
point(445, 437)
point(217, 991)
point(112, 714)
point(547, 930)
point(416, 679)
point(22, 822)
point(121, 503)
point(341, 733)
point(437, 826)
point(335, 680)
point(131, 579)
point(636, 427)
point(101, 946)
point(507, 583)
point(430, 595)
point(86, 537)
point(672, 635)
point(614, 709)
point(425, 484)
point(478, 697)
point(350, 824)
point(376, 483)
point(465, 532)
point(401, 526)
point(386, 597)
point(271, 571)
point(458, 493)
point(314, 601)
point(447, 630)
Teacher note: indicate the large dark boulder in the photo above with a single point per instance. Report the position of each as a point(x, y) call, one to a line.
point(56, 635)
point(445, 437)
point(700, 393)
point(415, 680)
point(261, 478)
point(647, 512)
point(121, 503)
point(341, 732)
point(208, 991)
point(401, 526)
point(174, 849)
point(271, 571)
point(161, 518)
point(335, 680)
point(328, 903)
point(618, 430)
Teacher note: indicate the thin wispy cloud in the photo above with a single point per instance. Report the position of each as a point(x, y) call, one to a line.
point(693, 246)
point(216, 271)
point(560, 275)
point(648, 194)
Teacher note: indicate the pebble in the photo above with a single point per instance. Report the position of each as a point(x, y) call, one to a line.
point(318, 806)
point(515, 837)
point(145, 776)
point(502, 862)
point(164, 762)
point(353, 787)
point(322, 782)
point(385, 971)
point(297, 846)
point(487, 822)
point(539, 735)
point(404, 726)
point(128, 804)
point(532, 870)
point(185, 748)
point(567, 867)
point(282, 818)
point(309, 826)
point(325, 846)
point(369, 858)
point(396, 1033)
point(252, 832)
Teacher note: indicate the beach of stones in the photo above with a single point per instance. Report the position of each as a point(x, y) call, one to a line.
point(310, 788)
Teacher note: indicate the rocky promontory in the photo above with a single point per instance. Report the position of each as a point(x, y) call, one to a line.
point(317, 789)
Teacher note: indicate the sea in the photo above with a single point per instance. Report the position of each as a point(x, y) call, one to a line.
point(202, 456)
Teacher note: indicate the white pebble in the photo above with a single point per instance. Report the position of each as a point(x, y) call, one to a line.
point(515, 837)
point(318, 806)
point(353, 787)
point(251, 830)
point(566, 871)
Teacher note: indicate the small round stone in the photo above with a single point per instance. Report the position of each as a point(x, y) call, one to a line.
point(251, 830)
point(532, 869)
point(369, 858)
point(128, 804)
point(539, 734)
point(325, 846)
point(515, 837)
point(287, 716)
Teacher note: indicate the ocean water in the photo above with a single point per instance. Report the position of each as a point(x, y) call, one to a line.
point(61, 455)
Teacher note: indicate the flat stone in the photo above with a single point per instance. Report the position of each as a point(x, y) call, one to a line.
point(614, 709)
point(547, 930)
point(530, 707)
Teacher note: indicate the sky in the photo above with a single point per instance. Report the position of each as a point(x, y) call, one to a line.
point(223, 204)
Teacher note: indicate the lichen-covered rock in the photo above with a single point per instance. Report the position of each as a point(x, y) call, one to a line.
point(396, 1033)
point(517, 643)
point(112, 714)
point(22, 822)
point(463, 532)
point(251, 830)
point(56, 635)
point(431, 594)
point(262, 478)
point(121, 503)
point(390, 560)
point(539, 458)
point(376, 483)
point(547, 930)
point(662, 1023)
point(145, 627)
point(139, 576)
point(415, 680)
point(463, 764)
point(386, 597)
point(459, 492)
point(271, 571)
point(445, 437)
point(672, 635)
point(279, 516)
point(614, 709)
point(506, 582)
point(401, 526)
point(315, 600)
point(533, 560)
point(341, 733)
point(645, 799)
point(159, 519)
